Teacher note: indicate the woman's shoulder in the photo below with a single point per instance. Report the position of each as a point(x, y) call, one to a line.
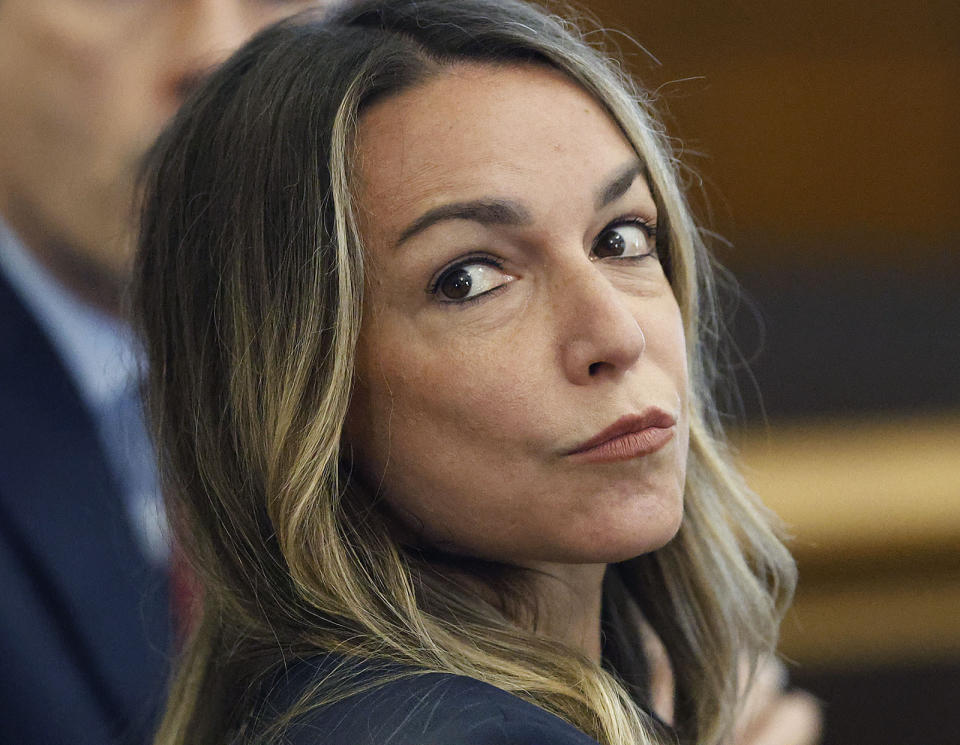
point(420, 709)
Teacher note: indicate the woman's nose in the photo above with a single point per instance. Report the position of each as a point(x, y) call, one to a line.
point(600, 334)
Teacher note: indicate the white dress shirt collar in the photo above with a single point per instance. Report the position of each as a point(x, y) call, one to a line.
point(98, 350)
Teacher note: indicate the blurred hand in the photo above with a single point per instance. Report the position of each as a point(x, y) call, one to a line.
point(771, 715)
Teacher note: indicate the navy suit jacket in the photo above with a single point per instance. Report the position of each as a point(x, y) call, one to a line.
point(427, 709)
point(84, 620)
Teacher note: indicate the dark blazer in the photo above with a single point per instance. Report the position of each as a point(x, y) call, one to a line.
point(428, 709)
point(84, 621)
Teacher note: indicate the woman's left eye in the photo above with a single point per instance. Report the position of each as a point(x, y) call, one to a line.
point(627, 239)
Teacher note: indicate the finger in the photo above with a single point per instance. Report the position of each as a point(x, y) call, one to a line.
point(795, 719)
point(765, 689)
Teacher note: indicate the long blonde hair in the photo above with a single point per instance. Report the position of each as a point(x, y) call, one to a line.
point(248, 293)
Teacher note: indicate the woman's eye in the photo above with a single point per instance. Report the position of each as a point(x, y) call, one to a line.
point(468, 280)
point(625, 240)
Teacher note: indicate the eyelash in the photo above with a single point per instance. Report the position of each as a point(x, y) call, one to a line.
point(647, 227)
point(486, 259)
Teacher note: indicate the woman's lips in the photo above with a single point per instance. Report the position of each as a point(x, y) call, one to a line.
point(631, 436)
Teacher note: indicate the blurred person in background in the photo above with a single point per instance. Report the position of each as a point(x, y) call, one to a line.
point(85, 85)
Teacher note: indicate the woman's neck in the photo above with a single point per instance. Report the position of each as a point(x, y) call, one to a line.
point(571, 598)
point(569, 604)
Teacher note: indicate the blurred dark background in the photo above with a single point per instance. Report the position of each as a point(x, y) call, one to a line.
point(823, 144)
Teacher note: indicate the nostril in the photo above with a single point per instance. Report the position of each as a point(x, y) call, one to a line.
point(595, 368)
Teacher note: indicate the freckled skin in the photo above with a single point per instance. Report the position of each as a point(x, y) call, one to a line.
point(463, 414)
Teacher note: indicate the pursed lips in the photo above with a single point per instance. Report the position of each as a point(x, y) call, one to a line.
point(630, 436)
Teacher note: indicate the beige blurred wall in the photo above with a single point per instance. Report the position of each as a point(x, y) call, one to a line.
point(817, 119)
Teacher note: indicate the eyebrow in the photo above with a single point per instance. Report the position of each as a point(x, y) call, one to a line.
point(511, 213)
point(483, 211)
point(618, 185)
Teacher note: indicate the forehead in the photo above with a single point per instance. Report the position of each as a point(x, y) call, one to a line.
point(477, 130)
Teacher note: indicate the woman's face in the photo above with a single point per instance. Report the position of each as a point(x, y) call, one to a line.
point(515, 310)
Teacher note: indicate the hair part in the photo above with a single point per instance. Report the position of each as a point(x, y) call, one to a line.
point(249, 294)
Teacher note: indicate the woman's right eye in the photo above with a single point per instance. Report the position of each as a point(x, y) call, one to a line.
point(469, 279)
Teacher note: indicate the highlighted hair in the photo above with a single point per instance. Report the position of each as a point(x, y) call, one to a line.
point(248, 293)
